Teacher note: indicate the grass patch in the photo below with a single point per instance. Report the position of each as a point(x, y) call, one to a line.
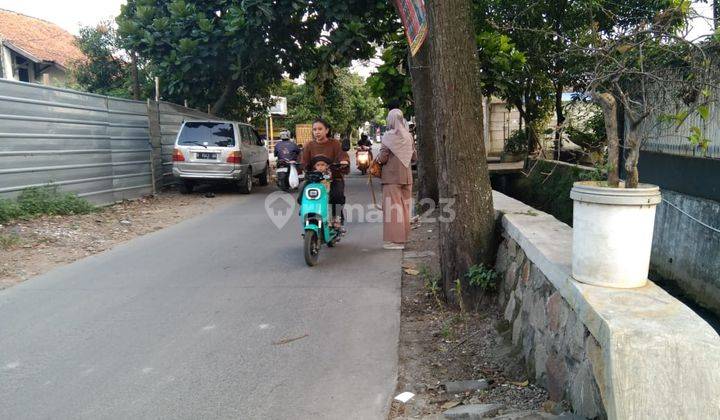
point(8, 242)
point(36, 201)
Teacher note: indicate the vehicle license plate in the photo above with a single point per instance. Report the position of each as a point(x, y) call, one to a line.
point(207, 156)
point(282, 169)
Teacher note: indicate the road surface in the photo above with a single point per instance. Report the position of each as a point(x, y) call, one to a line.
point(198, 321)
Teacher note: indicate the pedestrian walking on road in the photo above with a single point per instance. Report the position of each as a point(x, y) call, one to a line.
point(396, 156)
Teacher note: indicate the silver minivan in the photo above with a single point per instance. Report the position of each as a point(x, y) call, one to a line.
point(219, 151)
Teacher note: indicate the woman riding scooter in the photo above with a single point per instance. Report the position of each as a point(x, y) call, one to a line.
point(363, 154)
point(325, 146)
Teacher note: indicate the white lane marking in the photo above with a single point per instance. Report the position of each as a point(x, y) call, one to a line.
point(208, 328)
point(12, 365)
point(147, 370)
point(264, 326)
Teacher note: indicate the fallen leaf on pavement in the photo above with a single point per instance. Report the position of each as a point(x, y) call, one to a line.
point(450, 404)
point(525, 383)
point(408, 265)
point(411, 272)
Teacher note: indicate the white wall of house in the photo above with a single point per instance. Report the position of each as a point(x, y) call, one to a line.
point(7, 63)
point(52, 76)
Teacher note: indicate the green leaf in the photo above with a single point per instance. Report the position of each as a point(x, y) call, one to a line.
point(704, 112)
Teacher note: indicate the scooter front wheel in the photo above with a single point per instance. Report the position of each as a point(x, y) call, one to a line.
point(312, 248)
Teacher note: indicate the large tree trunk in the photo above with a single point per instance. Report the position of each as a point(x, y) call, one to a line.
point(425, 127)
point(231, 87)
point(609, 107)
point(468, 238)
point(560, 117)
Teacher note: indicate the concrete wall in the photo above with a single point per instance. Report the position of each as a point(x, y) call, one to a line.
point(499, 123)
point(611, 353)
point(686, 246)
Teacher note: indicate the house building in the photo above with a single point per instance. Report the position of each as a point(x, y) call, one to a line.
point(34, 50)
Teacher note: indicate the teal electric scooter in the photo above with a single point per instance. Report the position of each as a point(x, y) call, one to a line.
point(316, 216)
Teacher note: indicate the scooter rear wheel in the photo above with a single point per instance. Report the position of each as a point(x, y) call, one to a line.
point(312, 248)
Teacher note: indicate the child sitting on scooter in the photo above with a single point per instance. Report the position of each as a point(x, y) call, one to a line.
point(321, 164)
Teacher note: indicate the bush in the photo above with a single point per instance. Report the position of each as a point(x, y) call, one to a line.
point(548, 186)
point(592, 139)
point(9, 210)
point(36, 201)
point(482, 277)
point(517, 143)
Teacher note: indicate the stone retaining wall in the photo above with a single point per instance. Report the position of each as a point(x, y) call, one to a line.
point(611, 353)
point(559, 351)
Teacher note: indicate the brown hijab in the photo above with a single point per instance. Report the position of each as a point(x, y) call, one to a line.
point(397, 138)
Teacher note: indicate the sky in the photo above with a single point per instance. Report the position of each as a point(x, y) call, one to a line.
point(71, 14)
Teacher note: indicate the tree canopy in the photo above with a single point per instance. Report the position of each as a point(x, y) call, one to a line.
point(229, 53)
point(391, 81)
point(346, 104)
point(103, 71)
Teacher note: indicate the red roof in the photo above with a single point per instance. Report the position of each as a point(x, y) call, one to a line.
point(42, 39)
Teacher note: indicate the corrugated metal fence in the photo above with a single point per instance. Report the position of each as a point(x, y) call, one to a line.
point(165, 120)
point(96, 146)
point(666, 137)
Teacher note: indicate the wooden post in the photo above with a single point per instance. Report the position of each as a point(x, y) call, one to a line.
point(157, 89)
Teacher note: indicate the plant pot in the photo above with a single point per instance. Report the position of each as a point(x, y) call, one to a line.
point(612, 233)
point(512, 157)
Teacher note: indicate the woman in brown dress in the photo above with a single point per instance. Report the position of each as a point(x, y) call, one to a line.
point(396, 156)
point(323, 145)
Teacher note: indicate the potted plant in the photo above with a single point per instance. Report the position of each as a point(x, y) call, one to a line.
point(649, 69)
point(516, 147)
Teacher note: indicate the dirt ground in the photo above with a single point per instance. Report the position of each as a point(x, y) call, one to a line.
point(439, 344)
point(32, 247)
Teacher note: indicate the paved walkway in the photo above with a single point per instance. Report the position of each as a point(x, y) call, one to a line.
point(196, 321)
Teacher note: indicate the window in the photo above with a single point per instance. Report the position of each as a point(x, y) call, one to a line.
point(207, 134)
point(247, 135)
point(21, 69)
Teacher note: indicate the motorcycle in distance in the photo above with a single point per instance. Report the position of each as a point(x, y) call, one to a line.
point(316, 217)
point(282, 174)
point(363, 158)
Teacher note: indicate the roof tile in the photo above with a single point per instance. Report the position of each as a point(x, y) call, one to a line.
point(43, 39)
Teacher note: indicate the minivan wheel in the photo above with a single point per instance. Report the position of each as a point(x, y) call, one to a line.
point(245, 184)
point(185, 186)
point(263, 178)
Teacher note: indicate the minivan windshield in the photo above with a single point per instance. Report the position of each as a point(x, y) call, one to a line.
point(207, 134)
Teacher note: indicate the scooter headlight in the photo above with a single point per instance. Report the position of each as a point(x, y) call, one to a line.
point(312, 193)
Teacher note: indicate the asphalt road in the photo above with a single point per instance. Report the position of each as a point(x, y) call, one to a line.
point(194, 321)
